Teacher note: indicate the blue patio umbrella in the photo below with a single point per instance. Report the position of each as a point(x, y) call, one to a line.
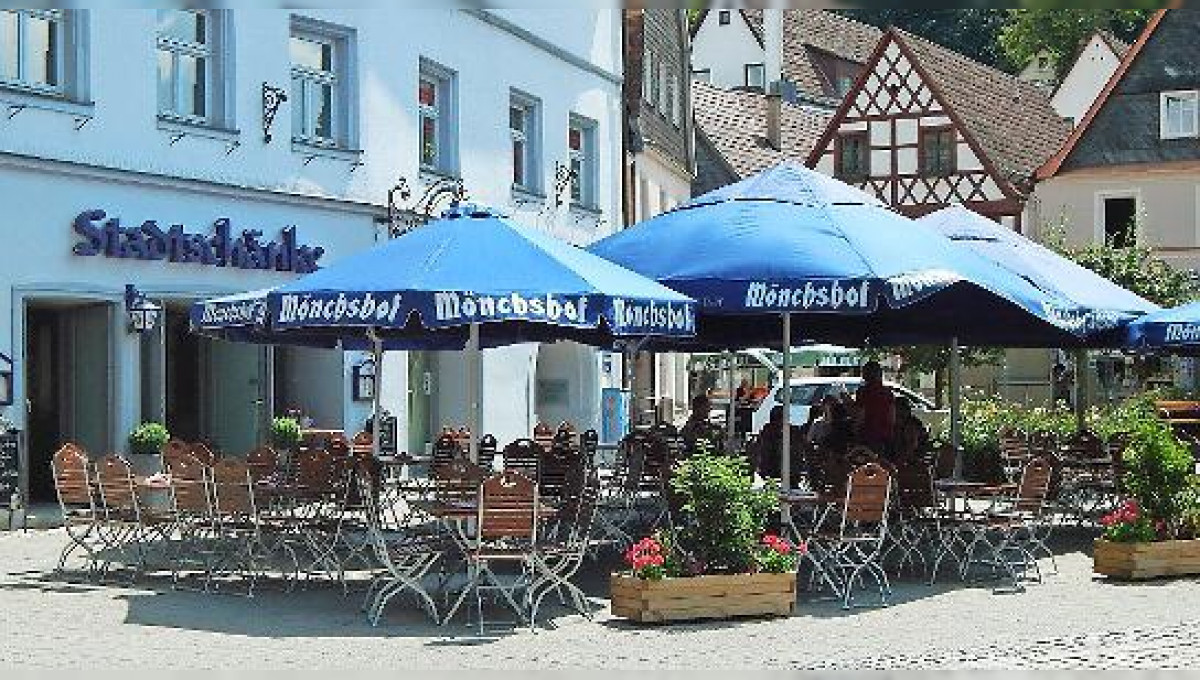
point(1104, 304)
point(792, 241)
point(1175, 330)
point(469, 279)
point(791, 244)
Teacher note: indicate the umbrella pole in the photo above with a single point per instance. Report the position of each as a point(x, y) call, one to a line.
point(956, 407)
point(376, 397)
point(731, 412)
point(785, 456)
point(474, 388)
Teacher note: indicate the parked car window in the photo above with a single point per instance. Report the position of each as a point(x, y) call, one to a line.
point(802, 395)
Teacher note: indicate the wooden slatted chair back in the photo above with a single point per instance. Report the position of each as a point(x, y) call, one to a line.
point(1014, 444)
point(203, 453)
point(174, 449)
point(508, 508)
point(262, 461)
point(233, 488)
point(118, 490)
point(543, 434)
point(867, 493)
point(489, 448)
point(554, 470)
point(446, 448)
point(914, 487)
point(1034, 487)
point(589, 444)
point(457, 481)
point(524, 456)
point(1083, 445)
point(189, 486)
point(316, 472)
point(72, 478)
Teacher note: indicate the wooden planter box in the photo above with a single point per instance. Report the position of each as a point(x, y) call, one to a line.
point(703, 597)
point(1147, 560)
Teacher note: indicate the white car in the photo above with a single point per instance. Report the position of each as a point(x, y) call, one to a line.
point(807, 392)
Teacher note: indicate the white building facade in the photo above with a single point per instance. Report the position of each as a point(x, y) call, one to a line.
point(151, 149)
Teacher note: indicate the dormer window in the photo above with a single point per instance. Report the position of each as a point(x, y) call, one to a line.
point(1179, 114)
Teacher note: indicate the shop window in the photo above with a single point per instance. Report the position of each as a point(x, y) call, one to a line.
point(42, 51)
point(322, 108)
point(581, 148)
point(1119, 218)
point(852, 156)
point(938, 148)
point(437, 113)
point(524, 127)
point(190, 73)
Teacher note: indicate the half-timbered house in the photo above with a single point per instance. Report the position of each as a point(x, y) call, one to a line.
point(924, 127)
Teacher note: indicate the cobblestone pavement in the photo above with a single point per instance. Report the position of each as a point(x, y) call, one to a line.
point(1069, 621)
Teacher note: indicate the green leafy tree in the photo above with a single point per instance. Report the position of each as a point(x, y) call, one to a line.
point(1133, 266)
point(972, 32)
point(1057, 31)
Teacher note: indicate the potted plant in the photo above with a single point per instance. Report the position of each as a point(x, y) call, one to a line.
point(148, 438)
point(1153, 533)
point(285, 433)
point(719, 562)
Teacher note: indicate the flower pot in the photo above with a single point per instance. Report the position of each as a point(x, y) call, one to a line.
point(1136, 561)
point(702, 597)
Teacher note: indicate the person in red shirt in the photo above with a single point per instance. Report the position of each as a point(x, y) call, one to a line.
point(877, 407)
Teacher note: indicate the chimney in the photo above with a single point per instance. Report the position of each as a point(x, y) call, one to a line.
point(773, 67)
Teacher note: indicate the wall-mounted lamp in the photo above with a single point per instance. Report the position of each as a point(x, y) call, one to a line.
point(143, 314)
point(362, 381)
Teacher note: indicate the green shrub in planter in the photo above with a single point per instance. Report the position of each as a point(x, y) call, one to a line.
point(148, 438)
point(285, 433)
point(1159, 473)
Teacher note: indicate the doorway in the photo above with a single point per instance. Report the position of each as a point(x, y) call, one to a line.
point(214, 389)
point(67, 383)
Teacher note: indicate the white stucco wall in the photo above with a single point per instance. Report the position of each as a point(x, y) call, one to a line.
point(725, 50)
point(111, 153)
point(1168, 207)
point(1085, 80)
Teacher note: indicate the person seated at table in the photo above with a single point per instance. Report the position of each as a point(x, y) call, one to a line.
point(820, 420)
point(697, 426)
point(768, 447)
point(878, 408)
point(910, 438)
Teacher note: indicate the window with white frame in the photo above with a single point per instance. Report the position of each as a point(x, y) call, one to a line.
point(438, 119)
point(676, 102)
point(756, 75)
point(33, 49)
point(322, 109)
point(524, 126)
point(1179, 114)
point(581, 149)
point(655, 84)
point(189, 65)
point(664, 89)
point(647, 75)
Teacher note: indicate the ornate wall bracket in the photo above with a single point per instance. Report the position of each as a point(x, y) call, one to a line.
point(272, 98)
point(405, 214)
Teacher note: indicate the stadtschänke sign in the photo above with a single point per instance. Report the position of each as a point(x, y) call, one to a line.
point(103, 235)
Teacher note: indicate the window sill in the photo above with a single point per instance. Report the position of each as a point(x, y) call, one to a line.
point(175, 126)
point(522, 192)
point(15, 96)
point(586, 209)
point(431, 175)
point(310, 148)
